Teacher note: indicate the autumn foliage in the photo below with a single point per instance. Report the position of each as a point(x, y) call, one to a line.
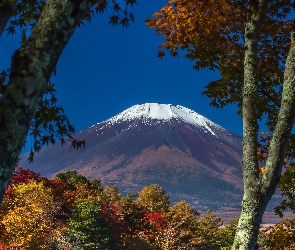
point(212, 34)
point(70, 212)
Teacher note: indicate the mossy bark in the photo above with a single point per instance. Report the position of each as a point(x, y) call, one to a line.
point(258, 191)
point(31, 68)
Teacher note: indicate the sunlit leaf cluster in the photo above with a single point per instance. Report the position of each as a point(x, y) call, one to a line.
point(280, 236)
point(212, 35)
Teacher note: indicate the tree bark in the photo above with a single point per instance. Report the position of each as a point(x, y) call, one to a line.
point(6, 9)
point(258, 191)
point(31, 68)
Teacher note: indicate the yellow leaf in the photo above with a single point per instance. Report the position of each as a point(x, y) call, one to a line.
point(262, 170)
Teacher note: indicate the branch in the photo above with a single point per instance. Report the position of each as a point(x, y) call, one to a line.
point(286, 118)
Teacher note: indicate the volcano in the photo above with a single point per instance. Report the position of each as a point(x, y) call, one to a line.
point(193, 158)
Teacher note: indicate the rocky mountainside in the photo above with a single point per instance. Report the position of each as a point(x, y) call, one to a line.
point(190, 156)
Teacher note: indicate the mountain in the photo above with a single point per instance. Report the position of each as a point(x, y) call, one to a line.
point(190, 156)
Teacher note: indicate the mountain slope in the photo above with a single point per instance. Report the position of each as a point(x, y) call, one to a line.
point(190, 156)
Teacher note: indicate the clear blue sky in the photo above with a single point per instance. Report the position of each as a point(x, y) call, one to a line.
point(104, 70)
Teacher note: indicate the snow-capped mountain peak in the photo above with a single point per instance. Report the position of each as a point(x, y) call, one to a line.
point(150, 143)
point(163, 112)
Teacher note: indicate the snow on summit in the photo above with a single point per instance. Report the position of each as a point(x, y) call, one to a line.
point(163, 112)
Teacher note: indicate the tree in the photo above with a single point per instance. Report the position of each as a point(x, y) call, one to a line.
point(20, 176)
point(73, 178)
point(112, 193)
point(87, 225)
point(126, 221)
point(181, 220)
point(133, 217)
point(249, 43)
point(44, 222)
point(52, 22)
point(156, 225)
point(287, 188)
point(154, 198)
point(279, 236)
point(207, 234)
point(226, 234)
point(30, 219)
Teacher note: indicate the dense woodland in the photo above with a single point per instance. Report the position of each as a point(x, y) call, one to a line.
point(71, 212)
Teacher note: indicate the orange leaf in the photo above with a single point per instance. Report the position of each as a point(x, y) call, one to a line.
point(262, 170)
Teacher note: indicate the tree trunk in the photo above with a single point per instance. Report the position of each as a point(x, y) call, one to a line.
point(259, 190)
point(6, 9)
point(31, 68)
